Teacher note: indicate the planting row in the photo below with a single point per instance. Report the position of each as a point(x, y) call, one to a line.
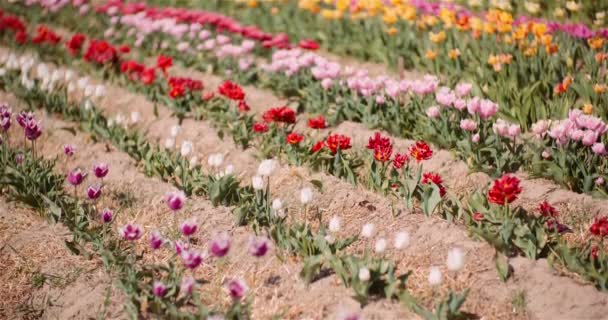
point(428, 188)
point(570, 151)
point(162, 287)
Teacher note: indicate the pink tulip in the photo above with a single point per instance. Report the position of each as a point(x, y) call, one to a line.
point(107, 215)
point(599, 149)
point(159, 289)
point(220, 246)
point(69, 150)
point(433, 112)
point(130, 232)
point(156, 240)
point(187, 285)
point(191, 259)
point(93, 192)
point(76, 177)
point(188, 227)
point(175, 200)
point(463, 89)
point(101, 170)
point(259, 246)
point(236, 289)
point(468, 125)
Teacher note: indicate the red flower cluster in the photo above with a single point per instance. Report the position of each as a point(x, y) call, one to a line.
point(74, 45)
point(46, 35)
point(101, 52)
point(547, 210)
point(179, 86)
point(132, 69)
point(308, 44)
point(243, 106)
point(260, 127)
point(435, 178)
point(421, 151)
point(294, 138)
point(382, 146)
point(280, 114)
point(400, 160)
point(231, 91)
point(14, 24)
point(317, 146)
point(163, 63)
point(337, 142)
point(505, 190)
point(599, 227)
point(317, 123)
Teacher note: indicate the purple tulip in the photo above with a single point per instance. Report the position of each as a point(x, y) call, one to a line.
point(130, 232)
point(259, 246)
point(236, 288)
point(69, 150)
point(76, 177)
point(180, 247)
point(220, 246)
point(5, 117)
point(19, 158)
point(159, 289)
point(107, 215)
point(156, 240)
point(33, 130)
point(188, 227)
point(24, 117)
point(100, 170)
point(93, 192)
point(175, 200)
point(187, 285)
point(191, 259)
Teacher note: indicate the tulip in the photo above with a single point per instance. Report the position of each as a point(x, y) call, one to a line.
point(334, 224)
point(130, 232)
point(368, 230)
point(159, 289)
point(215, 160)
point(186, 148)
point(402, 240)
point(306, 196)
point(236, 289)
point(455, 260)
point(101, 170)
point(380, 246)
point(191, 259)
point(259, 246)
point(69, 150)
point(187, 285)
point(468, 125)
point(433, 112)
point(107, 215)
point(175, 200)
point(220, 245)
point(267, 167)
point(257, 183)
point(75, 177)
point(189, 227)
point(94, 192)
point(435, 277)
point(156, 240)
point(364, 274)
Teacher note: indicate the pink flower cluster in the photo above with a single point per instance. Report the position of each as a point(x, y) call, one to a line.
point(505, 129)
point(578, 127)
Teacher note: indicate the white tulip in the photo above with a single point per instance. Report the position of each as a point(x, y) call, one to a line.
point(435, 277)
point(364, 274)
point(380, 246)
point(169, 143)
point(267, 167)
point(89, 90)
point(175, 130)
point(277, 204)
point(135, 117)
point(83, 82)
point(306, 196)
point(100, 91)
point(368, 230)
point(330, 239)
point(186, 148)
point(334, 224)
point(229, 170)
point(215, 160)
point(257, 182)
point(455, 259)
point(402, 240)
point(193, 162)
point(69, 75)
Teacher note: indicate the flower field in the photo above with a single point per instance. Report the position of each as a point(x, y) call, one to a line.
point(303, 159)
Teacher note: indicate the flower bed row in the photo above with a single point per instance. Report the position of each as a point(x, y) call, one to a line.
point(320, 250)
point(377, 181)
point(519, 66)
point(453, 118)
